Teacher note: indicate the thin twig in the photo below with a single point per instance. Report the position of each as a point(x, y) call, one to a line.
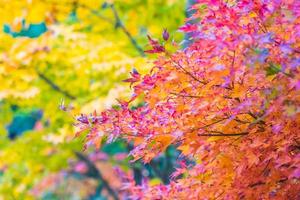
point(117, 23)
point(183, 95)
point(95, 173)
point(189, 73)
point(125, 30)
point(232, 67)
point(54, 85)
point(95, 12)
point(256, 184)
point(213, 123)
point(241, 121)
point(216, 133)
point(252, 115)
point(265, 168)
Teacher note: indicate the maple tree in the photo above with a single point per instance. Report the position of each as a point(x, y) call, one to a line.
point(57, 53)
point(230, 101)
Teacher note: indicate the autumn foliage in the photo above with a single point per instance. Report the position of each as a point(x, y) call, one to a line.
point(54, 56)
point(230, 102)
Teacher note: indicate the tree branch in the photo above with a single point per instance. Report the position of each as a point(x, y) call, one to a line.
point(95, 12)
point(183, 95)
point(213, 123)
point(54, 85)
point(125, 30)
point(189, 73)
point(232, 68)
point(95, 173)
point(118, 23)
point(216, 133)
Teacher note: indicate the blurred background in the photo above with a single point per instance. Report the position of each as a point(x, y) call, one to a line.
point(72, 55)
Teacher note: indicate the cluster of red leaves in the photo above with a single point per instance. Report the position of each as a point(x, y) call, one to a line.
point(231, 101)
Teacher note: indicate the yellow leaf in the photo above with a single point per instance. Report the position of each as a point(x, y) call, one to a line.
point(137, 141)
point(164, 140)
point(184, 149)
point(155, 181)
point(252, 14)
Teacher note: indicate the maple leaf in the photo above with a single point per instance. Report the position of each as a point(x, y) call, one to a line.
point(156, 46)
point(229, 101)
point(135, 77)
point(189, 28)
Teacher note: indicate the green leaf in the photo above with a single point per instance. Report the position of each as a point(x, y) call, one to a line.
point(273, 69)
